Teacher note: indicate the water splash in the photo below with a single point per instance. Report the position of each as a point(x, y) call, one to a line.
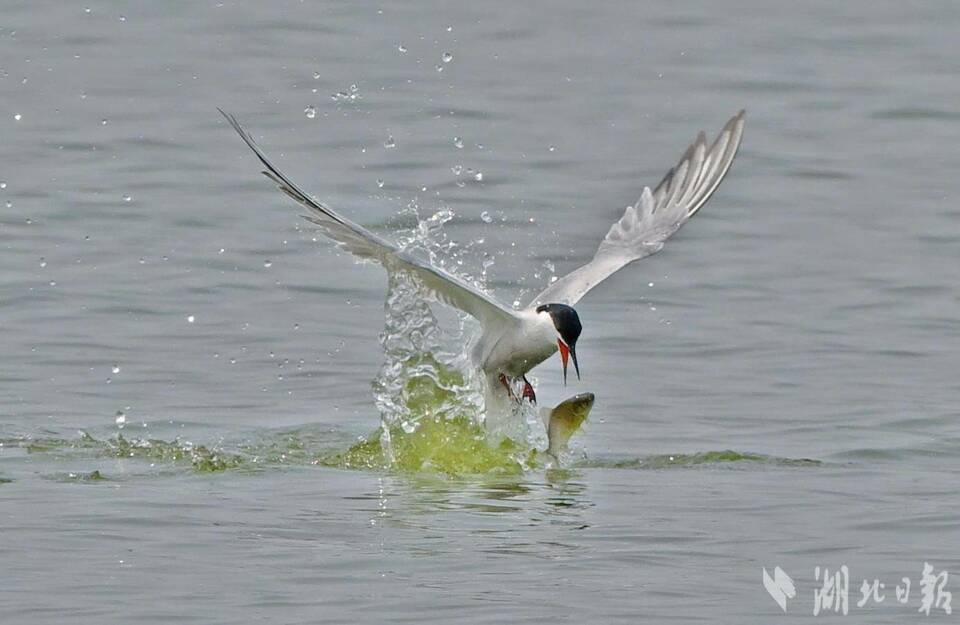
point(427, 371)
point(350, 95)
point(425, 375)
point(202, 458)
point(450, 446)
point(455, 446)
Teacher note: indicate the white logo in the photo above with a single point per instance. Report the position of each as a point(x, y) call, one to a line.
point(833, 593)
point(780, 587)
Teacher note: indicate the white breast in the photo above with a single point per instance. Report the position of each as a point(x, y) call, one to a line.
point(519, 348)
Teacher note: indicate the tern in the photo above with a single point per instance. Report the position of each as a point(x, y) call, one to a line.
point(512, 342)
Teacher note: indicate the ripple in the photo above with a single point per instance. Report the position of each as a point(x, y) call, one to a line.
point(820, 174)
point(91, 477)
point(446, 447)
point(669, 461)
point(914, 113)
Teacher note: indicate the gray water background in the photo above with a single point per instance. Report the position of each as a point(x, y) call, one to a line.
point(809, 311)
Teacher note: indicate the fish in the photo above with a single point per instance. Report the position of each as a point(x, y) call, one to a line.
point(563, 421)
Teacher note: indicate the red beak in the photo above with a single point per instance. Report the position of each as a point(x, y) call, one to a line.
point(564, 355)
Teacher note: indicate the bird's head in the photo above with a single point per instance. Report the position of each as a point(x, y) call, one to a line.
point(567, 323)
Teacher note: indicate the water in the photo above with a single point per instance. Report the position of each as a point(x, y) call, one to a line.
point(783, 395)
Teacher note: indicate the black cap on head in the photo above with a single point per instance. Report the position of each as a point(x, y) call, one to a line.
point(565, 320)
point(567, 323)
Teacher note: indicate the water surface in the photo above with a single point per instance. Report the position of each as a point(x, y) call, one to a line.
point(794, 350)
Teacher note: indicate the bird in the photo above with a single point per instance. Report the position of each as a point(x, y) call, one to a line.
point(512, 342)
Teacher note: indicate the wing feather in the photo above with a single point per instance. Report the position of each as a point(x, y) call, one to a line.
point(436, 283)
point(645, 226)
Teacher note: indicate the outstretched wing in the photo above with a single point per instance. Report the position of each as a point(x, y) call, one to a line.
point(646, 226)
point(359, 241)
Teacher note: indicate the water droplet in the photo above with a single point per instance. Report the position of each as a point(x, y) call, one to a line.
point(457, 169)
point(18, 116)
point(3, 185)
point(447, 57)
point(128, 198)
point(310, 112)
point(296, 326)
point(268, 264)
point(115, 368)
point(233, 361)
point(123, 18)
point(457, 141)
point(9, 204)
point(43, 262)
point(478, 176)
point(121, 417)
point(390, 142)
point(190, 318)
point(380, 183)
point(485, 217)
point(449, 29)
point(143, 261)
point(87, 10)
point(401, 48)
point(649, 283)
point(439, 68)
point(53, 283)
point(316, 75)
point(103, 122)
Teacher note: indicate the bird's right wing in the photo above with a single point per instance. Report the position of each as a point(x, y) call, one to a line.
point(359, 241)
point(646, 226)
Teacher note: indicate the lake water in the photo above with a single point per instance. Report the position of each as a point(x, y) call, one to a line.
point(804, 324)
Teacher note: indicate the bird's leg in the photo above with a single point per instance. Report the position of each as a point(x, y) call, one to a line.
point(506, 384)
point(527, 394)
point(528, 391)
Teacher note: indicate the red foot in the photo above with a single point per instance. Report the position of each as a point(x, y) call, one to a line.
point(528, 391)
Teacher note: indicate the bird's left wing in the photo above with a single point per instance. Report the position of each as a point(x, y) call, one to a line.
point(360, 242)
point(645, 227)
